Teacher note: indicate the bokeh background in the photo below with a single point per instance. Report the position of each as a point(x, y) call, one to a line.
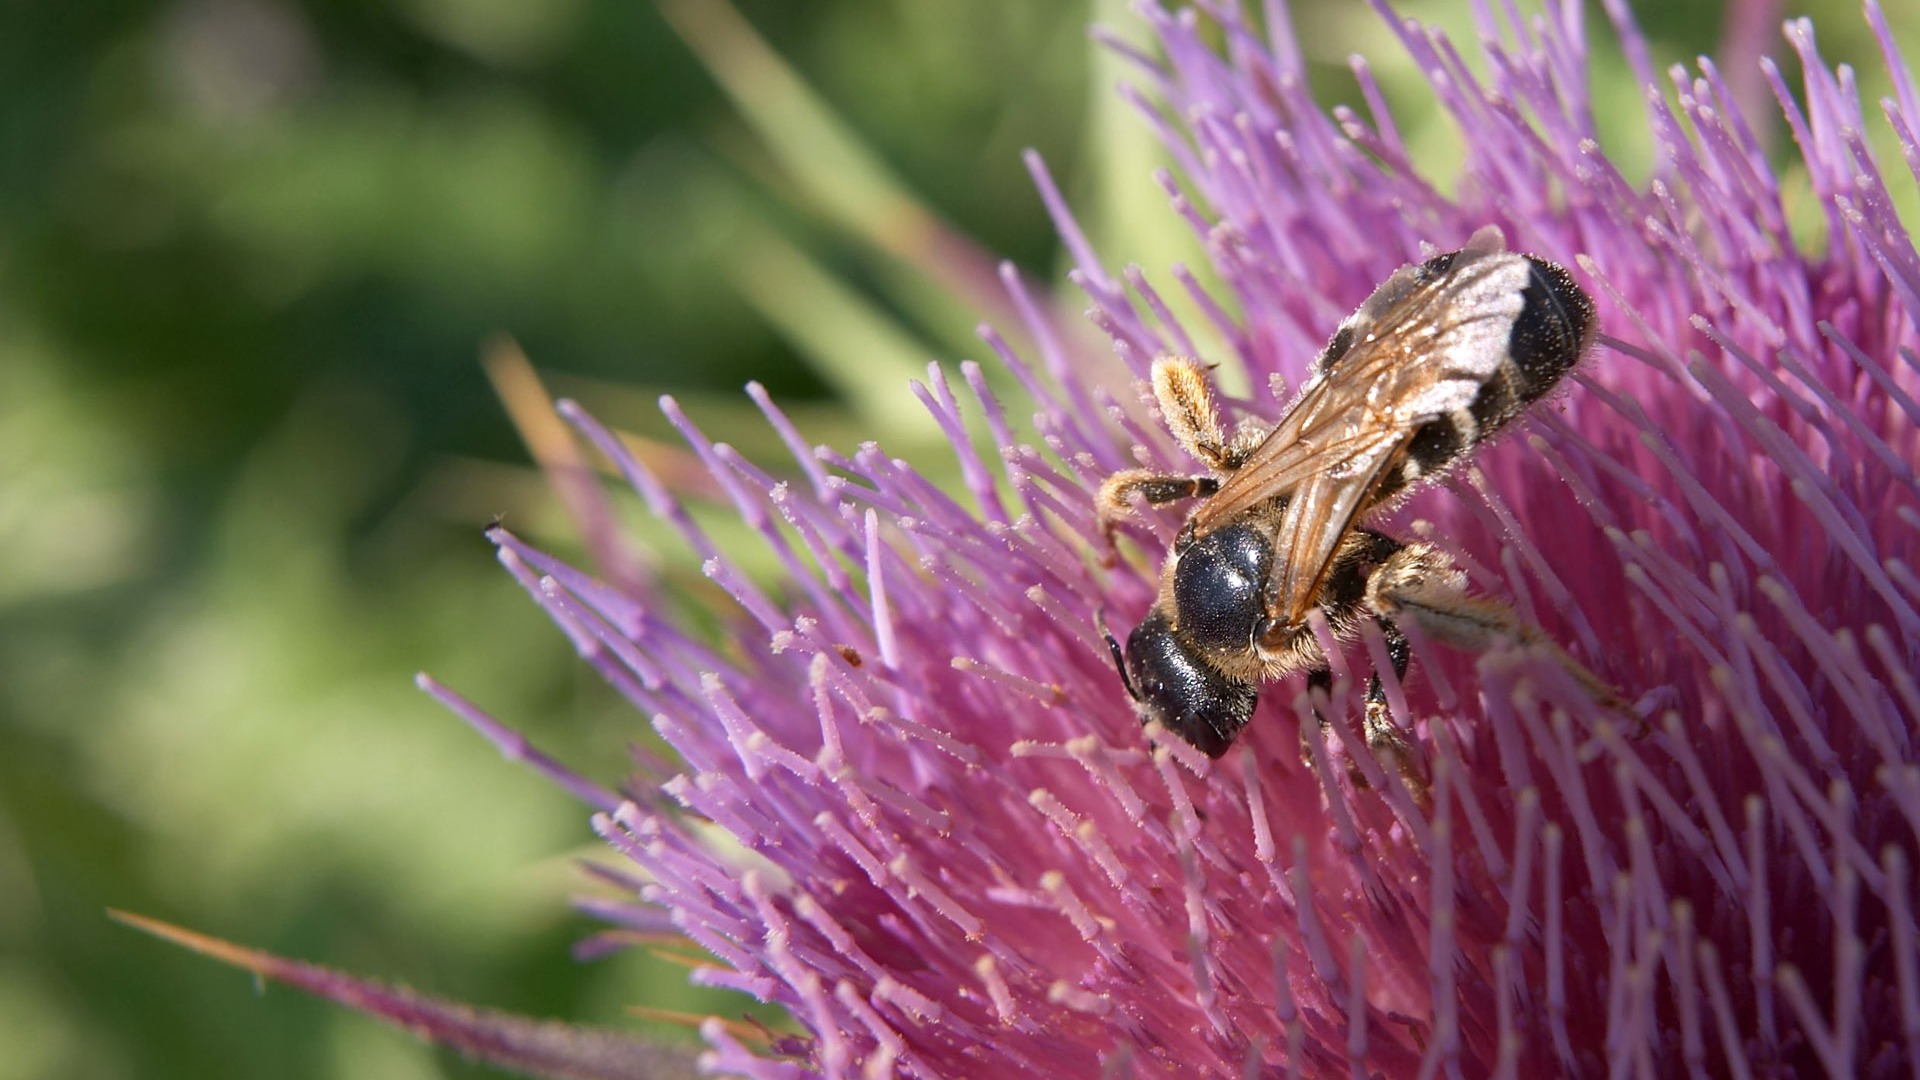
point(251, 255)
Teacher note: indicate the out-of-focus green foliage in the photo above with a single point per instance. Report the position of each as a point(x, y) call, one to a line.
point(249, 252)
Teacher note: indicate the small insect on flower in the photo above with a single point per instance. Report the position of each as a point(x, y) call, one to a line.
point(1440, 358)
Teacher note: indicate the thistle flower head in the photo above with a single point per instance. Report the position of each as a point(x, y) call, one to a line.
point(955, 853)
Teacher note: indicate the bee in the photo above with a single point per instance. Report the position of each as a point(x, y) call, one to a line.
point(1440, 358)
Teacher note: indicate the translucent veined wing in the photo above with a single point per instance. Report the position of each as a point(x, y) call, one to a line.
point(1421, 347)
point(1320, 514)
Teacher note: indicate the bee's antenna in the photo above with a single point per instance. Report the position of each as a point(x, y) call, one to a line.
point(1113, 646)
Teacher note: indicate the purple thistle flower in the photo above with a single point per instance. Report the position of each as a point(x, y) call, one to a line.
point(958, 854)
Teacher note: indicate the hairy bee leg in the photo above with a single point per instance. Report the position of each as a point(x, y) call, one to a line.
point(1192, 413)
point(1186, 400)
point(1419, 584)
point(1115, 499)
point(1393, 749)
point(1319, 679)
point(1379, 720)
point(1319, 688)
point(1391, 746)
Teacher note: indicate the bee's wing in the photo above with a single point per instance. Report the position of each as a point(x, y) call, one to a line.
point(1321, 512)
point(1419, 348)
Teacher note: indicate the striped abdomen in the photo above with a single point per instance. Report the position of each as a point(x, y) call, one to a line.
point(1553, 328)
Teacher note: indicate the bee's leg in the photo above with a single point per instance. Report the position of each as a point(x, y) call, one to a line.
point(1186, 399)
point(1388, 743)
point(1379, 721)
point(1115, 499)
point(1319, 688)
point(1389, 747)
point(1419, 584)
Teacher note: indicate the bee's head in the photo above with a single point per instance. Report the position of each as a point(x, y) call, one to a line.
point(1172, 684)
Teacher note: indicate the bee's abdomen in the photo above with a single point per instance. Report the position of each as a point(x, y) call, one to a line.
point(1552, 329)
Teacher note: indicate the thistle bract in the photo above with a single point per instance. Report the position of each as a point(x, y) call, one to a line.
point(958, 854)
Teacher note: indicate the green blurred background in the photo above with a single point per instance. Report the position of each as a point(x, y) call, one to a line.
point(250, 251)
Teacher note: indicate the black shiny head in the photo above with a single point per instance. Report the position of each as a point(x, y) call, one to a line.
point(1182, 691)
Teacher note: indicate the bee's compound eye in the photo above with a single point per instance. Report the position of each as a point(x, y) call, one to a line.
point(1179, 689)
